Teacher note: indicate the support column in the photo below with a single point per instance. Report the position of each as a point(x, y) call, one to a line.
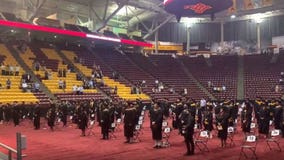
point(258, 37)
point(188, 40)
point(156, 41)
point(222, 34)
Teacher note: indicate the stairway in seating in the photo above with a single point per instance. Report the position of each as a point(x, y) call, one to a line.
point(14, 93)
point(240, 83)
point(193, 79)
point(123, 91)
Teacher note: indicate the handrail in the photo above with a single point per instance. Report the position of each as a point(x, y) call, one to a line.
point(8, 148)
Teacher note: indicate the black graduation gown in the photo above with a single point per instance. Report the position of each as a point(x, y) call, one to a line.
point(129, 122)
point(83, 120)
point(51, 115)
point(222, 120)
point(16, 116)
point(1, 113)
point(105, 121)
point(264, 121)
point(208, 121)
point(246, 120)
point(156, 118)
point(37, 117)
point(277, 117)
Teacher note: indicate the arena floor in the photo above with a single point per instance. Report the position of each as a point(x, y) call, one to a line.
point(66, 143)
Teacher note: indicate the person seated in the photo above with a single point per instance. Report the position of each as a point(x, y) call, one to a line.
point(74, 89)
point(11, 70)
point(60, 84)
point(24, 86)
point(17, 70)
point(143, 83)
point(91, 84)
point(223, 88)
point(8, 83)
point(185, 91)
point(282, 74)
point(209, 84)
point(281, 82)
point(80, 90)
point(3, 69)
point(36, 87)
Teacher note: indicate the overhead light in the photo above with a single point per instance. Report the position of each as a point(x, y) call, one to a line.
point(12, 30)
point(189, 22)
point(258, 18)
point(55, 36)
point(233, 16)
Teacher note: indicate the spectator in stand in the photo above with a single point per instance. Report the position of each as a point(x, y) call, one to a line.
point(60, 84)
point(24, 86)
point(282, 74)
point(36, 87)
point(281, 82)
point(3, 69)
point(143, 83)
point(8, 83)
point(277, 89)
point(59, 72)
point(209, 84)
point(185, 91)
point(17, 70)
point(46, 75)
point(64, 85)
point(28, 78)
point(91, 84)
point(64, 72)
point(115, 90)
point(223, 88)
point(80, 90)
point(74, 89)
point(11, 70)
point(115, 75)
point(37, 66)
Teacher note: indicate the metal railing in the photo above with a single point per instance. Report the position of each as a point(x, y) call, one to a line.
point(17, 151)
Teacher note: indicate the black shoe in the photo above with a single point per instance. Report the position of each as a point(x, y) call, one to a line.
point(187, 154)
point(155, 146)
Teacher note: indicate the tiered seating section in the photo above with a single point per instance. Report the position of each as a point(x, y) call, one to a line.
point(261, 76)
point(51, 62)
point(86, 65)
point(223, 72)
point(14, 93)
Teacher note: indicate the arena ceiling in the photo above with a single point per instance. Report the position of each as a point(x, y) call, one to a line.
point(97, 14)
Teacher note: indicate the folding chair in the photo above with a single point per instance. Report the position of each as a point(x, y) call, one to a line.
point(253, 127)
point(136, 134)
point(111, 131)
point(274, 137)
point(91, 128)
point(231, 133)
point(201, 141)
point(118, 123)
point(166, 136)
point(249, 144)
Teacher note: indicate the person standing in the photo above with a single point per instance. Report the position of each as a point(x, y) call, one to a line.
point(129, 122)
point(208, 120)
point(187, 130)
point(105, 122)
point(222, 126)
point(156, 118)
point(83, 121)
point(37, 117)
point(51, 115)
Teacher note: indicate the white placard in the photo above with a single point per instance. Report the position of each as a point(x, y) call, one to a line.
point(112, 125)
point(230, 129)
point(165, 124)
point(92, 123)
point(251, 138)
point(167, 130)
point(252, 125)
point(204, 134)
point(137, 127)
point(141, 118)
point(275, 132)
point(140, 122)
point(118, 120)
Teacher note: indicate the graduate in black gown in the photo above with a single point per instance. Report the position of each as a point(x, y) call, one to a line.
point(16, 114)
point(277, 115)
point(1, 113)
point(129, 122)
point(208, 120)
point(156, 119)
point(37, 116)
point(222, 126)
point(64, 112)
point(264, 118)
point(51, 115)
point(246, 117)
point(187, 130)
point(105, 122)
point(83, 121)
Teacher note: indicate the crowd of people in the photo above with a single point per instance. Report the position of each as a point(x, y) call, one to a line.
point(187, 116)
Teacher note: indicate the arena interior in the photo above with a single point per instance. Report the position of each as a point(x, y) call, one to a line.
point(141, 79)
